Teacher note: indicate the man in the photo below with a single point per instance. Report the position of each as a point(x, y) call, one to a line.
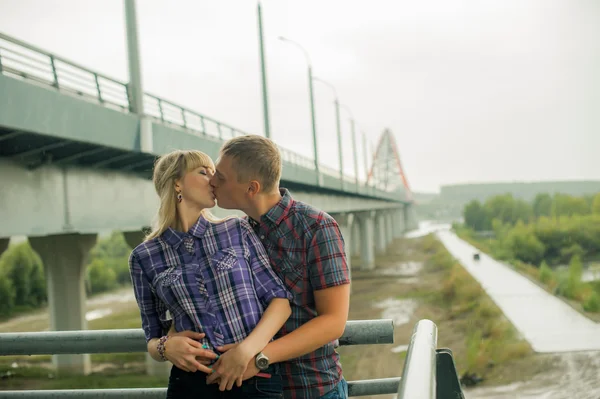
point(306, 250)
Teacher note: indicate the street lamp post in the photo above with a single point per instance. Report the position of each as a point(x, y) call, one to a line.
point(355, 157)
point(263, 74)
point(312, 105)
point(338, 127)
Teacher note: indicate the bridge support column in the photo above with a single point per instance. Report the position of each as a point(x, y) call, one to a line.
point(380, 233)
point(64, 257)
point(154, 368)
point(398, 223)
point(355, 248)
point(389, 224)
point(405, 217)
point(367, 227)
point(3, 244)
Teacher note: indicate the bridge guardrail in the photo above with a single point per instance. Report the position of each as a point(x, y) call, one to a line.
point(428, 373)
point(25, 61)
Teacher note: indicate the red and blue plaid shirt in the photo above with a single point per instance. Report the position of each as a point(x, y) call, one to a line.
point(306, 250)
point(214, 279)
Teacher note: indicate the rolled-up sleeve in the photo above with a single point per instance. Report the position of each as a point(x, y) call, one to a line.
point(150, 306)
point(266, 282)
point(327, 264)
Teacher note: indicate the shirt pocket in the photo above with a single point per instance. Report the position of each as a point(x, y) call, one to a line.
point(224, 260)
point(291, 256)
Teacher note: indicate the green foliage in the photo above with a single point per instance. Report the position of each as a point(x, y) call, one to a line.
point(100, 278)
point(596, 204)
point(542, 205)
point(23, 270)
point(592, 304)
point(7, 295)
point(23, 284)
point(546, 274)
point(524, 245)
point(476, 217)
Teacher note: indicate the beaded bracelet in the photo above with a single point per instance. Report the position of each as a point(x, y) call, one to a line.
point(160, 347)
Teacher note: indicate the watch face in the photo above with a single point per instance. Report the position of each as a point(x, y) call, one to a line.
point(262, 363)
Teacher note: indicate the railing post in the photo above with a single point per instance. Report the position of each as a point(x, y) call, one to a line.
point(55, 84)
point(160, 109)
point(419, 374)
point(219, 129)
point(183, 118)
point(0, 61)
point(232, 132)
point(98, 87)
point(203, 125)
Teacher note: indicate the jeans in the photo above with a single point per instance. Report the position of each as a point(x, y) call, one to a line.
point(184, 385)
point(340, 391)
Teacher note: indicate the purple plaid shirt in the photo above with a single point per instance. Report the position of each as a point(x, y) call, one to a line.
point(214, 279)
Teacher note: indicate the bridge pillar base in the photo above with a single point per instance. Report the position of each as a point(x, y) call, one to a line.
point(380, 233)
point(355, 248)
point(64, 258)
point(389, 226)
point(367, 227)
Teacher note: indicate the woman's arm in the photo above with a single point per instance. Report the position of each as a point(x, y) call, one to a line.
point(181, 350)
point(274, 296)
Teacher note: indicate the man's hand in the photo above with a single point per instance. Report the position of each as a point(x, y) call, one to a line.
point(251, 369)
point(186, 353)
point(232, 365)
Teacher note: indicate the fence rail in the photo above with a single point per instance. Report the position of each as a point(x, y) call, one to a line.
point(428, 373)
point(25, 61)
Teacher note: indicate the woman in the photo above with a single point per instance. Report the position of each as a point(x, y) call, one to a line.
point(209, 276)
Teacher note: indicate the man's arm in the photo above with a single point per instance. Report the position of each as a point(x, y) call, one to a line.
point(332, 308)
point(329, 279)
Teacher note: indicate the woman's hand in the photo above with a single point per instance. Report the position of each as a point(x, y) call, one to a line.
point(186, 353)
point(232, 365)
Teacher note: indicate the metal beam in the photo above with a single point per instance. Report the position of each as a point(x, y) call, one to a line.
point(11, 135)
point(357, 332)
point(113, 159)
point(355, 388)
point(41, 149)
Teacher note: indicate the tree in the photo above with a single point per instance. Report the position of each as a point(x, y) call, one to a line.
point(475, 216)
point(542, 205)
point(566, 205)
point(524, 245)
point(24, 268)
point(100, 278)
point(596, 204)
point(7, 295)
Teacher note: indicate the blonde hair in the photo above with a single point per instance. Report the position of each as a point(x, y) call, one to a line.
point(255, 157)
point(167, 170)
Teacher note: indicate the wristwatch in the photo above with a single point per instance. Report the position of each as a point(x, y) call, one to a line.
point(261, 361)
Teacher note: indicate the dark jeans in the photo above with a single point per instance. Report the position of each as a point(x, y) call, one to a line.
point(184, 385)
point(340, 391)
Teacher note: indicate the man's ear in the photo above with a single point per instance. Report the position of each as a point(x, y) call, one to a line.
point(253, 188)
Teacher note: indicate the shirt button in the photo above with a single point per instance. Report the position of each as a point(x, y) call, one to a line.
point(262, 237)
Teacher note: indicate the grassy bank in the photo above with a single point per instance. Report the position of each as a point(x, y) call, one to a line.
point(489, 340)
point(565, 284)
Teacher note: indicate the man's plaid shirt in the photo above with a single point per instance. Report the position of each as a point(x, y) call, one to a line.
point(306, 250)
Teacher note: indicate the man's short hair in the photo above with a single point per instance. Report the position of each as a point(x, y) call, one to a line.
point(255, 158)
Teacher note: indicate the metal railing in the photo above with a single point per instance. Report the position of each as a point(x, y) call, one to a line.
point(428, 373)
point(25, 61)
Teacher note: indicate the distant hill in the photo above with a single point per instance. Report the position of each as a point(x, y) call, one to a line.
point(449, 204)
point(464, 193)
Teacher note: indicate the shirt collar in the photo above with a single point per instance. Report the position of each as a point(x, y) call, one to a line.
point(276, 214)
point(174, 237)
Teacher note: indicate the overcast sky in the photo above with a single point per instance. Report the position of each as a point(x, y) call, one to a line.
point(505, 90)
